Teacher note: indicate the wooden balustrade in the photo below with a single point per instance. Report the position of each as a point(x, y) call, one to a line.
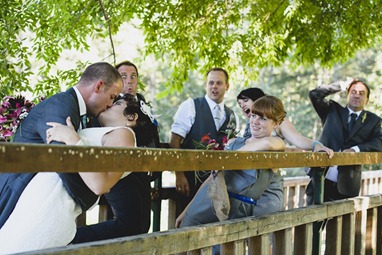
point(356, 227)
point(294, 192)
point(357, 230)
point(295, 187)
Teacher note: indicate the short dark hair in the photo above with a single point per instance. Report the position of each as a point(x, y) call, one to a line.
point(251, 93)
point(218, 69)
point(359, 80)
point(101, 71)
point(127, 63)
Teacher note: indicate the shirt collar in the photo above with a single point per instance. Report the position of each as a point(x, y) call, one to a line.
point(351, 111)
point(81, 102)
point(212, 104)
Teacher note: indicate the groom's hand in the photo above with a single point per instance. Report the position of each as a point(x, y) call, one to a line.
point(61, 133)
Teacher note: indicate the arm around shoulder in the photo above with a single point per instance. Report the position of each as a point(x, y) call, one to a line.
point(290, 133)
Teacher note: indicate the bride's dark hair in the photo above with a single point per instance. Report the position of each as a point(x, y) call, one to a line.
point(146, 130)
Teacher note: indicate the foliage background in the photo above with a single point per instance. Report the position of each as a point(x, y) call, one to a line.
point(285, 47)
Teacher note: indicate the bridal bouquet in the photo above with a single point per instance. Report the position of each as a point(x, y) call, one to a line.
point(12, 111)
point(207, 143)
point(217, 188)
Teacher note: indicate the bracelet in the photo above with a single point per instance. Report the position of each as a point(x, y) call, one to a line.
point(315, 144)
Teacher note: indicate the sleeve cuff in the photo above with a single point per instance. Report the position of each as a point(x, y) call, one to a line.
point(315, 143)
point(356, 148)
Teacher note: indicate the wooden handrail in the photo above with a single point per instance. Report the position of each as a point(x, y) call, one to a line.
point(16, 157)
point(237, 231)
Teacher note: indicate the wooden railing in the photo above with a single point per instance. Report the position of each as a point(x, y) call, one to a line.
point(294, 193)
point(295, 187)
point(358, 221)
point(358, 231)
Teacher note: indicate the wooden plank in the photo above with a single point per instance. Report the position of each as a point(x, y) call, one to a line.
point(227, 248)
point(302, 196)
point(348, 234)
point(333, 236)
point(171, 214)
point(259, 245)
point(291, 195)
point(233, 248)
point(303, 239)
point(371, 232)
point(283, 242)
point(379, 231)
point(16, 157)
point(192, 238)
point(360, 235)
point(295, 181)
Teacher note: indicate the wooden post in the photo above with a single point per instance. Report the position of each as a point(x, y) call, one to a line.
point(318, 176)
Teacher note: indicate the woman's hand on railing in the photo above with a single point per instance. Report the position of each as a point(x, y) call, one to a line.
point(322, 148)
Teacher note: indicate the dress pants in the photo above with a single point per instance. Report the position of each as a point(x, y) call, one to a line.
point(330, 191)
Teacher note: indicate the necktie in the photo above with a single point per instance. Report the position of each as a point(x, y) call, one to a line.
point(218, 116)
point(84, 120)
point(353, 118)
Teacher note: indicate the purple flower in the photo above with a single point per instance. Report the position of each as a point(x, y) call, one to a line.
point(3, 119)
point(12, 111)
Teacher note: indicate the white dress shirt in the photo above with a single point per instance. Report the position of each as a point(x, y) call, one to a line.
point(81, 104)
point(184, 117)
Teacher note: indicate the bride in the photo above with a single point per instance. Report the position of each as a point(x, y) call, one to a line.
point(45, 213)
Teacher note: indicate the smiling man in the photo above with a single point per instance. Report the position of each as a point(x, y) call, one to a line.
point(345, 129)
point(195, 118)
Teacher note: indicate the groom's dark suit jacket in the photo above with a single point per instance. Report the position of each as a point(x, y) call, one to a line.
point(33, 130)
point(366, 134)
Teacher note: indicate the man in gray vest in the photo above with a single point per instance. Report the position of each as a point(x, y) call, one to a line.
point(196, 118)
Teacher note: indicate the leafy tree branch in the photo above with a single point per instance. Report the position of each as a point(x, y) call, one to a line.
point(241, 35)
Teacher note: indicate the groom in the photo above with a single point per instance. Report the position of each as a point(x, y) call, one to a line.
point(96, 90)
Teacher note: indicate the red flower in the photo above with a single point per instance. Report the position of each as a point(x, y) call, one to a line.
point(205, 138)
point(207, 143)
point(224, 140)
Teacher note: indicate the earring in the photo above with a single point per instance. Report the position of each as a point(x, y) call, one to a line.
point(130, 117)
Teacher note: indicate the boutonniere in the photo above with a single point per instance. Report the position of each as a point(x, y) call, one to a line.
point(364, 117)
point(232, 122)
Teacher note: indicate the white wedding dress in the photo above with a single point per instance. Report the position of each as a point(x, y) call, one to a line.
point(45, 215)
